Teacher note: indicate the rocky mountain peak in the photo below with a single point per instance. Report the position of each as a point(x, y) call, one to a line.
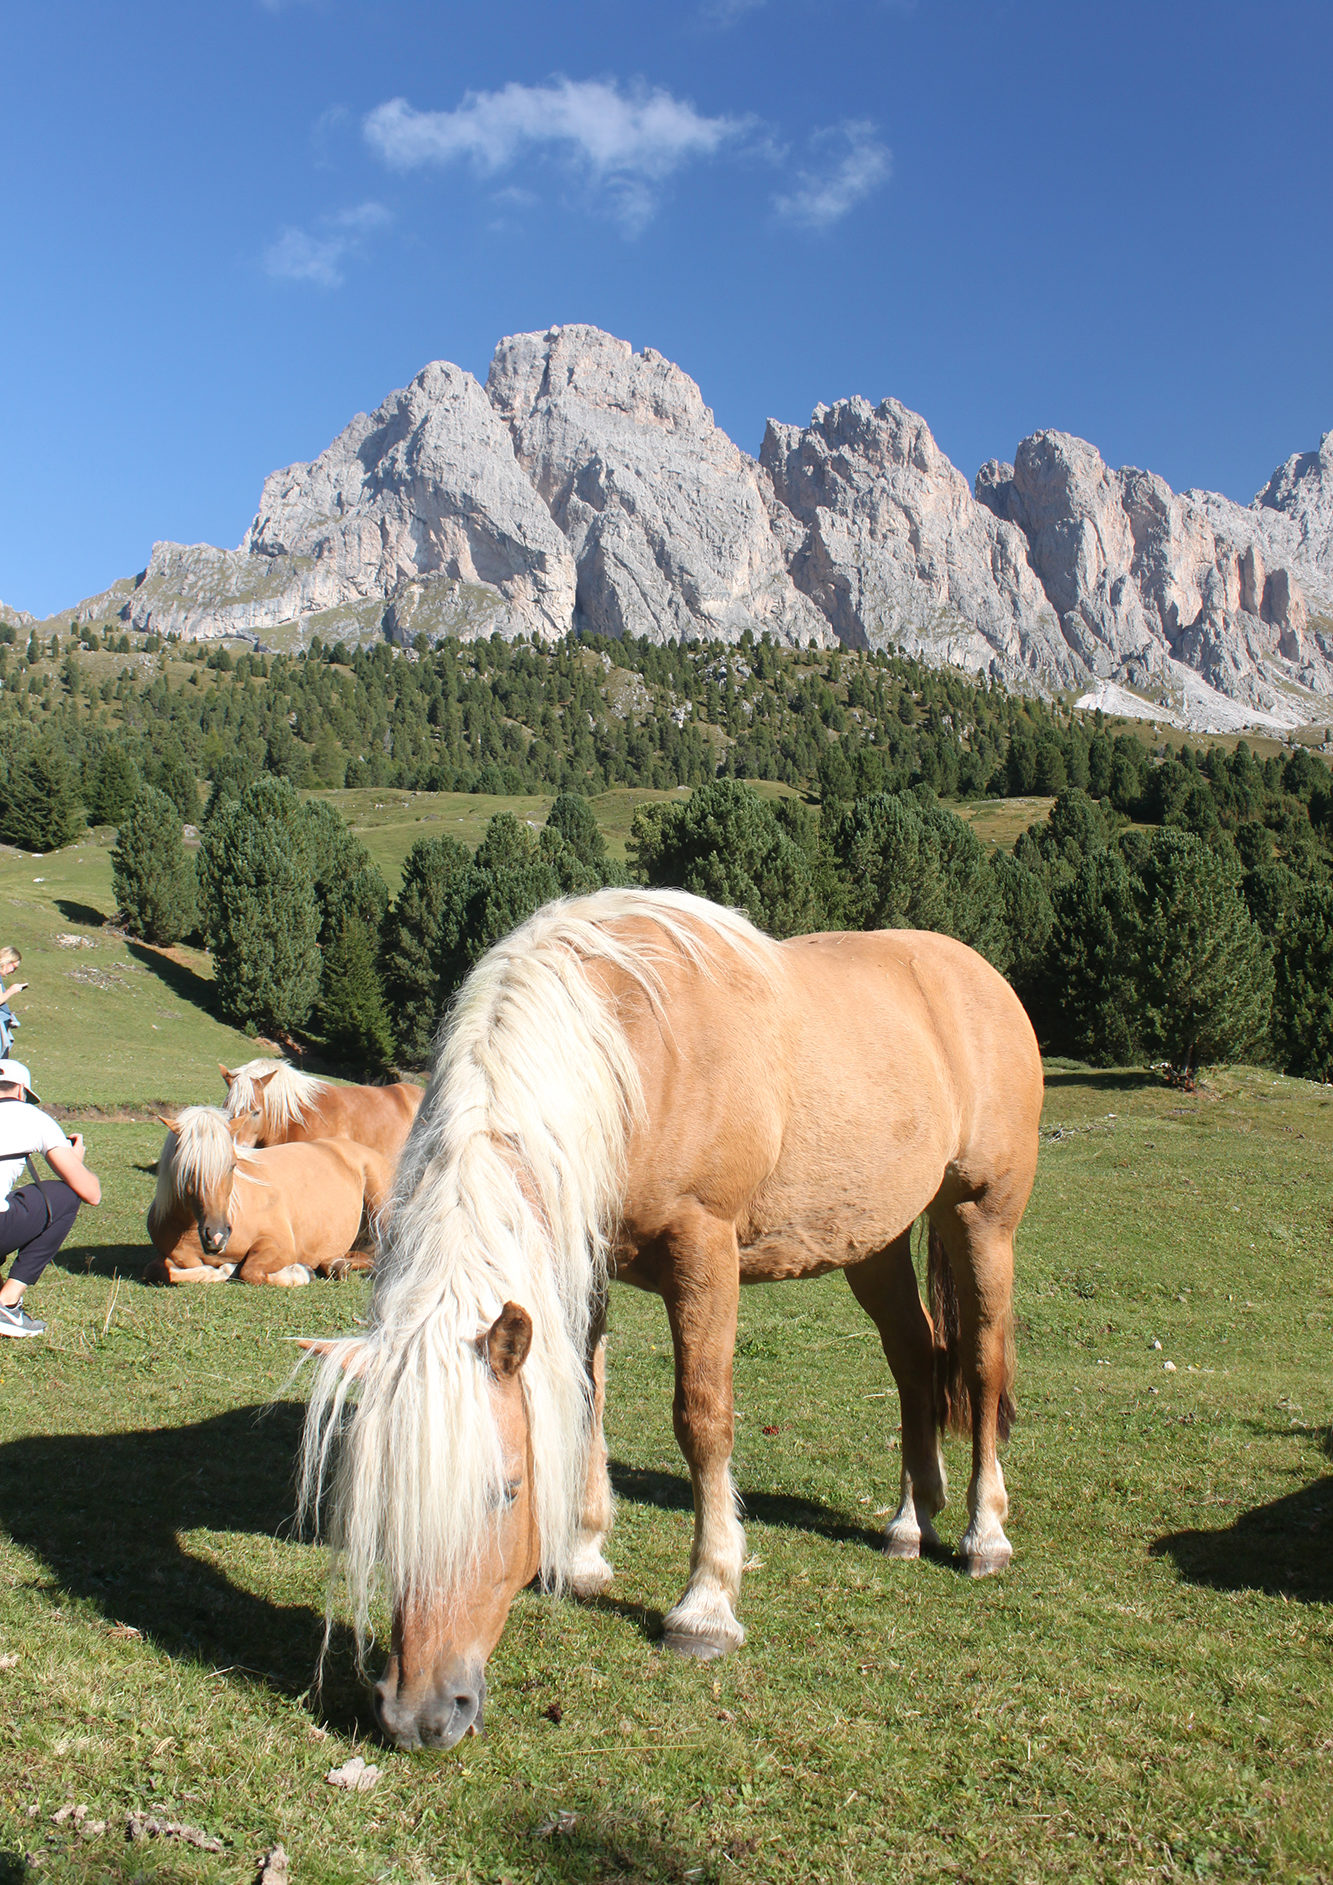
point(665, 517)
point(583, 365)
point(588, 487)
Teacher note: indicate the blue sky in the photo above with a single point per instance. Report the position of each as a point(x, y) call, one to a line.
point(227, 228)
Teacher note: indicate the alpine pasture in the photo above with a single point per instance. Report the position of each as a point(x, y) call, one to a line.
point(1143, 1694)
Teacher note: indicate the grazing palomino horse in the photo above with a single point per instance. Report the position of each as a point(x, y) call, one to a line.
point(276, 1216)
point(274, 1104)
point(639, 1084)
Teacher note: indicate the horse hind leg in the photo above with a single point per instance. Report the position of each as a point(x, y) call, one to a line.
point(972, 1267)
point(885, 1287)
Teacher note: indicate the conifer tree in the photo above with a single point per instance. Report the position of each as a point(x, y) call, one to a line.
point(113, 786)
point(151, 873)
point(258, 894)
point(510, 878)
point(1303, 991)
point(886, 865)
point(353, 1015)
point(1205, 980)
point(724, 842)
point(1090, 988)
point(422, 942)
point(174, 775)
point(572, 818)
point(40, 808)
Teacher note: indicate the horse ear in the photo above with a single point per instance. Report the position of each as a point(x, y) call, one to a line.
point(508, 1340)
point(261, 1081)
point(351, 1355)
point(172, 1125)
point(227, 1075)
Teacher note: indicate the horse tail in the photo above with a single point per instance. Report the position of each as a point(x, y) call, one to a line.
point(953, 1402)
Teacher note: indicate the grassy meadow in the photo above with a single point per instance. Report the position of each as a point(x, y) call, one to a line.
point(1146, 1694)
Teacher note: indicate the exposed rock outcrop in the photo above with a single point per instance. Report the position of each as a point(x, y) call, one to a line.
point(887, 540)
point(1291, 521)
point(1143, 579)
point(666, 519)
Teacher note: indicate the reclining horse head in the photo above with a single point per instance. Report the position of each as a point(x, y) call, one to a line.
point(196, 1174)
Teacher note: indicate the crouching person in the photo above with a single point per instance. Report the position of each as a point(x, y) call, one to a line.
point(35, 1219)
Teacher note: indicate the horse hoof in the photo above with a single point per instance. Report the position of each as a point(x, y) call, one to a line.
point(701, 1648)
point(987, 1563)
point(591, 1577)
point(901, 1547)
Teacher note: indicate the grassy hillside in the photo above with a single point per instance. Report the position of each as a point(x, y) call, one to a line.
point(106, 1022)
point(1144, 1695)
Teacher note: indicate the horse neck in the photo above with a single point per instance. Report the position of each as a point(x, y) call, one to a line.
point(310, 1122)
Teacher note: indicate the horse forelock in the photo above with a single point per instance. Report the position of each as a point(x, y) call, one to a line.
point(198, 1155)
point(284, 1098)
point(507, 1189)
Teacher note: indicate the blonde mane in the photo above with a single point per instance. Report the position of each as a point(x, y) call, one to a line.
point(198, 1155)
point(284, 1099)
point(508, 1189)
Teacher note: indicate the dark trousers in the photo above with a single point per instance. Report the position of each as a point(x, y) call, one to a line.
point(24, 1226)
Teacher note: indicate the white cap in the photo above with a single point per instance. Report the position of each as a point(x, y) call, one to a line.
point(15, 1071)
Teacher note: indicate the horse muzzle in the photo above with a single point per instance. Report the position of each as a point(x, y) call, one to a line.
point(450, 1708)
point(214, 1238)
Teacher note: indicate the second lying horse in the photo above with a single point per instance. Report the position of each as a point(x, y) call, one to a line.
point(272, 1103)
point(275, 1216)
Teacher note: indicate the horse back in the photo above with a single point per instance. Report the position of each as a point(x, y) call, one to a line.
point(913, 1034)
point(375, 1116)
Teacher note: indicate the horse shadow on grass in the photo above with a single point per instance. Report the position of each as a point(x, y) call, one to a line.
point(105, 1513)
point(1284, 1548)
point(671, 1492)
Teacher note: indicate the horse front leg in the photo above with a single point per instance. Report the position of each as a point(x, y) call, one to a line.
point(701, 1287)
point(589, 1572)
point(266, 1263)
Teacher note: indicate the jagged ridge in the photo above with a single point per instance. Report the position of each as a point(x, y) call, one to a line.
point(587, 487)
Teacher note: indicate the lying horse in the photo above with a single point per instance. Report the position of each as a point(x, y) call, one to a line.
point(277, 1216)
point(639, 1084)
point(273, 1104)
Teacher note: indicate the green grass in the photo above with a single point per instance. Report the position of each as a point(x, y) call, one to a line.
point(1143, 1695)
point(1000, 823)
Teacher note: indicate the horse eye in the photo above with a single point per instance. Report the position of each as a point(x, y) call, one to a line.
point(510, 1493)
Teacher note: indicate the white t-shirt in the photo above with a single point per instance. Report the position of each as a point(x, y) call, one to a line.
point(23, 1128)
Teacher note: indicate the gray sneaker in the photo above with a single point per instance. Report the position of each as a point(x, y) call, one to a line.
point(15, 1320)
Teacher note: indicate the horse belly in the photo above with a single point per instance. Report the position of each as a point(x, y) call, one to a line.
point(872, 1122)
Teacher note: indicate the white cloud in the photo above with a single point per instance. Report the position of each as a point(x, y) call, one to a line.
point(824, 196)
point(624, 141)
point(319, 255)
